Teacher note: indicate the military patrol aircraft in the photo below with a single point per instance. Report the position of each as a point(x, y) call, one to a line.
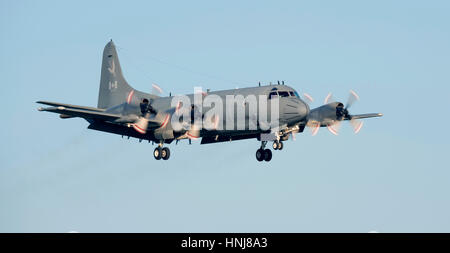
point(128, 112)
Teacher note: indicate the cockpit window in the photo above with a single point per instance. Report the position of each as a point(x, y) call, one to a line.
point(296, 94)
point(283, 93)
point(273, 94)
point(291, 93)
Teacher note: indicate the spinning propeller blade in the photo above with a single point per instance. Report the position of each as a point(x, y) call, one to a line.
point(334, 128)
point(156, 89)
point(328, 99)
point(357, 125)
point(142, 124)
point(315, 128)
point(309, 98)
point(351, 99)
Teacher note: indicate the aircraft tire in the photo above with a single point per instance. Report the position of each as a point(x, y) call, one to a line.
point(165, 153)
point(260, 154)
point(275, 145)
point(157, 153)
point(280, 145)
point(267, 155)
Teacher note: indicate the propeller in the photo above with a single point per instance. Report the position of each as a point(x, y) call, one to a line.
point(147, 110)
point(357, 125)
point(342, 113)
point(353, 97)
point(156, 90)
point(314, 127)
point(334, 128)
point(194, 129)
point(328, 99)
point(193, 133)
point(309, 98)
point(141, 124)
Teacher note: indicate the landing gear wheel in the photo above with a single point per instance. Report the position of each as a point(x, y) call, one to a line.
point(275, 145)
point(260, 154)
point(280, 145)
point(267, 155)
point(165, 153)
point(157, 153)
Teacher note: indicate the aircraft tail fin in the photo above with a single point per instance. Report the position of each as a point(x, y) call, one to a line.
point(114, 89)
point(113, 86)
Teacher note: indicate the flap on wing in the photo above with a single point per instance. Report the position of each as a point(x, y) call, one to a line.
point(367, 115)
point(87, 114)
point(71, 106)
point(223, 138)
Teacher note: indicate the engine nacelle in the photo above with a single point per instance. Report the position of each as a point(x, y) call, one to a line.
point(327, 114)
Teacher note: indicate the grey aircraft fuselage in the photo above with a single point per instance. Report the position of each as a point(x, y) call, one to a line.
point(128, 112)
point(292, 109)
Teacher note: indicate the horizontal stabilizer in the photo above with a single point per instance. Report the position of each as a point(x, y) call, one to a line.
point(82, 113)
point(71, 106)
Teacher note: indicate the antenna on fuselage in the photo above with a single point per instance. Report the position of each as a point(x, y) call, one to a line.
point(278, 82)
point(282, 82)
point(259, 84)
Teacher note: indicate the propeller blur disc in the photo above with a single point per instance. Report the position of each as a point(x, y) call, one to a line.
point(141, 125)
point(308, 97)
point(334, 128)
point(357, 125)
point(156, 89)
point(351, 99)
point(130, 96)
point(328, 99)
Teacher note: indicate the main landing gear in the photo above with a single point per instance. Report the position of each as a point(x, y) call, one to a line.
point(161, 152)
point(263, 154)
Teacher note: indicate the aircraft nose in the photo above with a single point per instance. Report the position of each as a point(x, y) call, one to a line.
point(295, 110)
point(303, 109)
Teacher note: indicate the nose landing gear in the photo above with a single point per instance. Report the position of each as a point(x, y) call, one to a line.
point(277, 145)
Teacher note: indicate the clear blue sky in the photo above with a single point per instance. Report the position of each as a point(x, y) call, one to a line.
point(57, 176)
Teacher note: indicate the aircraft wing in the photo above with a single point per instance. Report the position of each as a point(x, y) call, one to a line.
point(82, 113)
point(367, 115)
point(90, 113)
